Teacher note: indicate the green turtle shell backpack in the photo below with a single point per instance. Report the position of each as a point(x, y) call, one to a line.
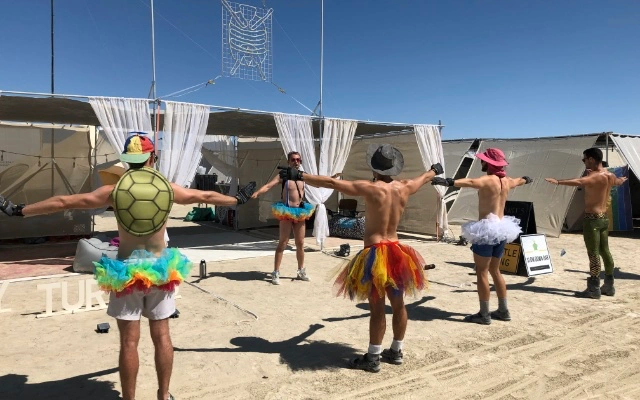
point(142, 200)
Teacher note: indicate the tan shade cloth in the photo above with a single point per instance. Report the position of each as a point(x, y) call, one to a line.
point(111, 175)
point(28, 175)
point(537, 158)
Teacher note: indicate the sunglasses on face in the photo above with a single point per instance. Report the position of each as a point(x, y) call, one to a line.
point(296, 160)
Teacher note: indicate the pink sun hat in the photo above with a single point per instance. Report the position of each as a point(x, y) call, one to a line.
point(493, 156)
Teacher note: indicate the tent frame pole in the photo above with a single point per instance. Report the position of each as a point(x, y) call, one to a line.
point(606, 157)
point(438, 210)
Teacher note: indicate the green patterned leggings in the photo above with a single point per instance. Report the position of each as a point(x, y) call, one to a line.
point(596, 238)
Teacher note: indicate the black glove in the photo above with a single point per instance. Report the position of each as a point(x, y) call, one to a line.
point(11, 209)
point(290, 174)
point(527, 180)
point(442, 181)
point(437, 168)
point(244, 194)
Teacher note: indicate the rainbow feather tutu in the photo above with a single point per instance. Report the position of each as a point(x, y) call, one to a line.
point(382, 265)
point(142, 271)
point(295, 214)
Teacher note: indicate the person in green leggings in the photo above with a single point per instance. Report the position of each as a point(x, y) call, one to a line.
point(597, 185)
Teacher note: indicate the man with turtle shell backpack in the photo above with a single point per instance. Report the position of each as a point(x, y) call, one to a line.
point(143, 278)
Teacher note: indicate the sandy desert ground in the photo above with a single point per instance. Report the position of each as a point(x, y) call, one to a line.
point(556, 347)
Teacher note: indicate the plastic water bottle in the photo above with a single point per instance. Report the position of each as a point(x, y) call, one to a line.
point(203, 269)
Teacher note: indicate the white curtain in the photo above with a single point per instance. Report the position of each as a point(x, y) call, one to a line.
point(430, 145)
point(119, 116)
point(335, 147)
point(296, 134)
point(220, 152)
point(185, 126)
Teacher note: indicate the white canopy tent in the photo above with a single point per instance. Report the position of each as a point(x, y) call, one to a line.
point(629, 147)
point(118, 116)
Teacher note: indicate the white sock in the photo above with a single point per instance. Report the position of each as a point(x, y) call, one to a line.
point(396, 345)
point(375, 349)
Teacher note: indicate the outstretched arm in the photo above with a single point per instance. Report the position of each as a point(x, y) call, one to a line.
point(100, 197)
point(351, 188)
point(515, 182)
point(475, 183)
point(567, 182)
point(619, 181)
point(266, 187)
point(191, 196)
point(416, 183)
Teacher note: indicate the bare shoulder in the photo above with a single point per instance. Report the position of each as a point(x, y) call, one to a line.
point(485, 179)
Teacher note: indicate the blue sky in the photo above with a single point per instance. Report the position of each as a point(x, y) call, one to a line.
point(485, 68)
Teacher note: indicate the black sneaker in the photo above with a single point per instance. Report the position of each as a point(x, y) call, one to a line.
point(366, 363)
point(478, 319)
point(344, 251)
point(501, 315)
point(391, 356)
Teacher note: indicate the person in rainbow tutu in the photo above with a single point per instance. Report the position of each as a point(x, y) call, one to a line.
point(493, 230)
point(142, 280)
point(384, 267)
point(292, 212)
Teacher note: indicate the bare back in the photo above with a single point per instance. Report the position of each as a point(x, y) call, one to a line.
point(492, 195)
point(385, 205)
point(597, 189)
point(153, 243)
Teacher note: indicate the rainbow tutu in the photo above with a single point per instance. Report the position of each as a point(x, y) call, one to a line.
point(295, 214)
point(382, 265)
point(142, 271)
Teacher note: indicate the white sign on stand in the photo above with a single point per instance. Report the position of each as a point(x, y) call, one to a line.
point(536, 254)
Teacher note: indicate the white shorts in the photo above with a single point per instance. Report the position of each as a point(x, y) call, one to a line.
point(155, 305)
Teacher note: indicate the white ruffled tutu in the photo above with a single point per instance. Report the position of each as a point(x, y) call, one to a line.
point(492, 230)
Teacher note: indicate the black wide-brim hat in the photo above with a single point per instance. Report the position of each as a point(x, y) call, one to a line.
point(385, 159)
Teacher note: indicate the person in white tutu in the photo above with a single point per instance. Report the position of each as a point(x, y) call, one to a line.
point(491, 232)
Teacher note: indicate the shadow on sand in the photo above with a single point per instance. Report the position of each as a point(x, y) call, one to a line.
point(617, 273)
point(13, 386)
point(415, 312)
point(527, 286)
point(241, 276)
point(298, 356)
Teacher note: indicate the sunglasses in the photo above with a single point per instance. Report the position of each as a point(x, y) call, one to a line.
point(296, 159)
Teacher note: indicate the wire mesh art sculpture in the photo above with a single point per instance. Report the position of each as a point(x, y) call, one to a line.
point(246, 42)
